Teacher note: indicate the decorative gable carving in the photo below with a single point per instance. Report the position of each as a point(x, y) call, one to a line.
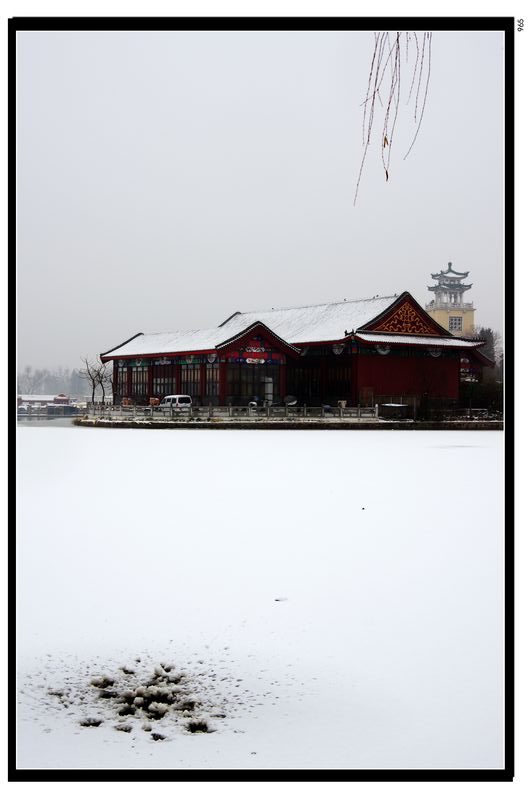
point(406, 319)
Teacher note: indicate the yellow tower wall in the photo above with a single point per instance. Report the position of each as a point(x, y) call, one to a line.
point(442, 317)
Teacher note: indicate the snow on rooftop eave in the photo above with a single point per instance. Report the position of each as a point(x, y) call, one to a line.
point(248, 329)
point(420, 339)
point(106, 355)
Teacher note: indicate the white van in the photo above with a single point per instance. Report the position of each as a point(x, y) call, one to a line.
point(182, 401)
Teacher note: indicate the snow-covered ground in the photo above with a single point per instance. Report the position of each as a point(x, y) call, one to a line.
point(321, 599)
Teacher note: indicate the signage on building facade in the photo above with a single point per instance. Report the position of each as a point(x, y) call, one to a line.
point(256, 351)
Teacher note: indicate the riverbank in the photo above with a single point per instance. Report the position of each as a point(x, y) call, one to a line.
point(289, 424)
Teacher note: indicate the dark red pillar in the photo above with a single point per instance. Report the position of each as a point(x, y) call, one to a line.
point(282, 381)
point(223, 367)
point(202, 382)
point(354, 379)
point(323, 378)
point(149, 379)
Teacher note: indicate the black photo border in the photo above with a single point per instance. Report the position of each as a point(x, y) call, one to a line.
point(508, 26)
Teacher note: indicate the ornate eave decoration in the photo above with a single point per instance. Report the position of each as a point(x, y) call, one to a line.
point(405, 319)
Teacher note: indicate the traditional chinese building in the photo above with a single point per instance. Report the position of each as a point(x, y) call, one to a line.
point(360, 351)
point(448, 308)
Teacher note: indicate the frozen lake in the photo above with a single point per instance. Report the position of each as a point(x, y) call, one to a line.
point(332, 599)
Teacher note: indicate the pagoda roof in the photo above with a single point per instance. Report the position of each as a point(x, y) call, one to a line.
point(451, 273)
point(450, 286)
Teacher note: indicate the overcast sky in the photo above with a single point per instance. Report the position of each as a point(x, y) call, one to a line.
point(168, 179)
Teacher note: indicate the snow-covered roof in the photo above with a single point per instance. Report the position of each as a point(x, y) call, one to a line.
point(326, 322)
point(175, 342)
point(425, 341)
point(37, 398)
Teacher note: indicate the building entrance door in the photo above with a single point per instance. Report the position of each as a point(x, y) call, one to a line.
point(268, 390)
point(252, 382)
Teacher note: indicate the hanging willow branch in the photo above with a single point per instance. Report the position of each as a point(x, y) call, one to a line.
point(387, 53)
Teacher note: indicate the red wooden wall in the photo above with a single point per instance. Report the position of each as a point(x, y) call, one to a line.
point(390, 375)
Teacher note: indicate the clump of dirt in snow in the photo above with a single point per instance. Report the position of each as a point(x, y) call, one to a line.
point(102, 681)
point(90, 722)
point(198, 726)
point(176, 701)
point(123, 728)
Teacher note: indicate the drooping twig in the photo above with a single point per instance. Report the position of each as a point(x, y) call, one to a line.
point(425, 94)
point(377, 80)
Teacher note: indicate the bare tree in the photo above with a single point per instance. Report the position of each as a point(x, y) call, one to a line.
point(105, 380)
point(29, 381)
point(97, 375)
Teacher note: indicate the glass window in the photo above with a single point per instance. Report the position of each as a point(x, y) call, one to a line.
point(191, 379)
point(339, 382)
point(212, 380)
point(245, 382)
point(122, 387)
point(455, 323)
point(163, 380)
point(139, 382)
point(304, 383)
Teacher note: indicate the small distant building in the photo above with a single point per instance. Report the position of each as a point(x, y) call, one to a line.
point(448, 308)
point(42, 400)
point(58, 405)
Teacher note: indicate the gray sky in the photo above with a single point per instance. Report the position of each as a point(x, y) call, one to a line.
point(166, 180)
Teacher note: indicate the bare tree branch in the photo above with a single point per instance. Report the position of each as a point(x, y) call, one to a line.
point(378, 81)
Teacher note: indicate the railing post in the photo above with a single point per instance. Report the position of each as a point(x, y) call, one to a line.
point(229, 410)
point(376, 410)
point(268, 412)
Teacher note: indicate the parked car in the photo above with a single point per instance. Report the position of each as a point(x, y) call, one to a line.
point(181, 401)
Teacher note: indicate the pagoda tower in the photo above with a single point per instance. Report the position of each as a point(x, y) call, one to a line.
point(448, 308)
